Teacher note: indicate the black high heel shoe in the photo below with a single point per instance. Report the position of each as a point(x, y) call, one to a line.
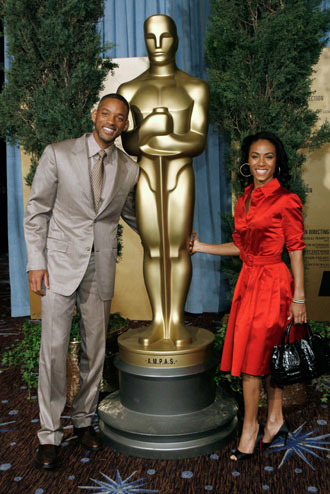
point(246, 456)
point(282, 432)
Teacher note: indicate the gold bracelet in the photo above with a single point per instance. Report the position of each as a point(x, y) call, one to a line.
point(298, 301)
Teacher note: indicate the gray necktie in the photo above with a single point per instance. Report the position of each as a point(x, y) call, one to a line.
point(97, 178)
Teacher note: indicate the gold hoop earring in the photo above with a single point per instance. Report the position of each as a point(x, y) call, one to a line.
point(240, 170)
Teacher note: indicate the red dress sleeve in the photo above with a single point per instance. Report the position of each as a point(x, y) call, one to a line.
point(292, 223)
point(237, 239)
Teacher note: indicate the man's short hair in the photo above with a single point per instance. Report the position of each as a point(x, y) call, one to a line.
point(115, 96)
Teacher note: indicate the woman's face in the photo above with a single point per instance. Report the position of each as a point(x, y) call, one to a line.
point(262, 161)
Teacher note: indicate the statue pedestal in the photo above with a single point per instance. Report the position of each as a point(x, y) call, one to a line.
point(165, 410)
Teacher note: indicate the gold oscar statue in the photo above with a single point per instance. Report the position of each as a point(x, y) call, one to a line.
point(167, 406)
point(170, 116)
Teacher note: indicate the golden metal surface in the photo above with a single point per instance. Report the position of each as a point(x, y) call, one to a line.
point(170, 114)
point(164, 353)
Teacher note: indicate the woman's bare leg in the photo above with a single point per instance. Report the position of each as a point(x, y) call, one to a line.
point(275, 417)
point(251, 395)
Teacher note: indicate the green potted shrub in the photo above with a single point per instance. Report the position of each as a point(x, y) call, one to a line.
point(25, 353)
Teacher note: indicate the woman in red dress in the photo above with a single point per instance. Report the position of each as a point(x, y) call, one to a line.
point(267, 218)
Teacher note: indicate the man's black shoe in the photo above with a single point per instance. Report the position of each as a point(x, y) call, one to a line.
point(46, 457)
point(88, 437)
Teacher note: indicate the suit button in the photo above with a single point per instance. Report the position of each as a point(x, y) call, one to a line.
point(94, 221)
point(88, 248)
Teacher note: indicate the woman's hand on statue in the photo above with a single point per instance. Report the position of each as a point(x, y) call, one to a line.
point(194, 243)
point(298, 313)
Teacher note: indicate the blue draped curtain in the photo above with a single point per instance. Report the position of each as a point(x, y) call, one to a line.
point(19, 290)
point(123, 25)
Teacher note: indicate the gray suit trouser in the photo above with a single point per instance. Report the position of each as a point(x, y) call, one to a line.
point(57, 312)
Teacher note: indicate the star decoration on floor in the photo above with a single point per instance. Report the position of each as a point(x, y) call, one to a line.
point(299, 442)
point(118, 486)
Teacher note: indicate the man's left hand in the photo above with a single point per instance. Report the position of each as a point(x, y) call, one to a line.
point(36, 277)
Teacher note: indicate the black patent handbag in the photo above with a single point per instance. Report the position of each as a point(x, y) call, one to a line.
point(300, 360)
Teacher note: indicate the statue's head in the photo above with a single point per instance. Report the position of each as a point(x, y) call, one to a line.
point(161, 39)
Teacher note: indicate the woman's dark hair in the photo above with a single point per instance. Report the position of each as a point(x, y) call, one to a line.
point(281, 171)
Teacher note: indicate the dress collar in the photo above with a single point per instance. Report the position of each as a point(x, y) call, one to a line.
point(266, 189)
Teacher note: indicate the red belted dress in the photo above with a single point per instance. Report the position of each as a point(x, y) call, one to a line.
point(264, 288)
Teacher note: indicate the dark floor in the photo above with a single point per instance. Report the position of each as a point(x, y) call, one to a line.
point(301, 466)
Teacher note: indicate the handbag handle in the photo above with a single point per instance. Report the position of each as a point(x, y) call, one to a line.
point(286, 336)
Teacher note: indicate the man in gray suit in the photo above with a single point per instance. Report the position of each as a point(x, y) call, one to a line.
point(80, 189)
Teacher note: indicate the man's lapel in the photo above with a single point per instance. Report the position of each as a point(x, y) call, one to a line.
point(80, 158)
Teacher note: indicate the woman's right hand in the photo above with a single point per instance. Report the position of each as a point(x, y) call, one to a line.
point(194, 243)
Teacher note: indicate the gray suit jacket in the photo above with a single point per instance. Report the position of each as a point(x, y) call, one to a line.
point(61, 225)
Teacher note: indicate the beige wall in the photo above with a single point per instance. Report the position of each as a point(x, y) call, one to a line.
point(317, 209)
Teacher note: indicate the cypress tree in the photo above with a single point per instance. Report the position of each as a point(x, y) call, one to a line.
point(56, 71)
point(260, 57)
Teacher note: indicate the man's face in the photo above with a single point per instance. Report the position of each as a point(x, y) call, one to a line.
point(161, 39)
point(110, 121)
